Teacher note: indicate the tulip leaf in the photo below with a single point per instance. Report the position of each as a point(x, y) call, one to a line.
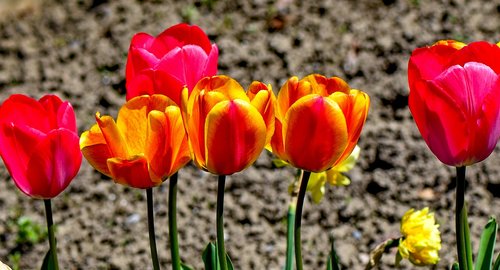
point(497, 263)
point(48, 262)
point(329, 263)
point(186, 267)
point(333, 258)
point(455, 266)
point(211, 260)
point(487, 246)
point(209, 257)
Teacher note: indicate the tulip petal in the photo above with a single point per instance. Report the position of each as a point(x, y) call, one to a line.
point(51, 104)
point(53, 164)
point(177, 140)
point(115, 140)
point(263, 99)
point(315, 133)
point(95, 150)
point(428, 62)
point(142, 84)
point(467, 88)
point(235, 136)
point(23, 110)
point(132, 172)
point(277, 141)
point(290, 92)
point(187, 64)
point(481, 52)
point(355, 107)
point(183, 34)
point(16, 147)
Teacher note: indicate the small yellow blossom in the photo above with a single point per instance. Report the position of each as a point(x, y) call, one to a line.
point(334, 176)
point(421, 239)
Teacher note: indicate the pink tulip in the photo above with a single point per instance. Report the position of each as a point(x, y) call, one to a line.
point(454, 99)
point(39, 144)
point(178, 57)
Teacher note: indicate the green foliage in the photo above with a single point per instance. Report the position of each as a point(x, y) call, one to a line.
point(484, 258)
point(48, 262)
point(15, 260)
point(211, 260)
point(29, 232)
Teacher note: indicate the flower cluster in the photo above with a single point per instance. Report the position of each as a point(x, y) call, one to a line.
point(421, 239)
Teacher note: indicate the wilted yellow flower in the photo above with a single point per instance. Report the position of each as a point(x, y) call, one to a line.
point(421, 239)
point(4, 266)
point(334, 176)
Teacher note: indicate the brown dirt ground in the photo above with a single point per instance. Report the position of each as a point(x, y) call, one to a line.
point(77, 49)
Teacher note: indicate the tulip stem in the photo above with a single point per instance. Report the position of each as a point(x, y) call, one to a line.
point(151, 227)
point(290, 220)
point(461, 223)
point(50, 229)
point(221, 251)
point(298, 218)
point(172, 222)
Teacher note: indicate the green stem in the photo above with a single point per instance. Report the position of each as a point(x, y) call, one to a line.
point(151, 227)
point(221, 251)
point(172, 222)
point(290, 219)
point(298, 218)
point(461, 223)
point(50, 229)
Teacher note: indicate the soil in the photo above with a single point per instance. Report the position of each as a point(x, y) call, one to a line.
point(77, 50)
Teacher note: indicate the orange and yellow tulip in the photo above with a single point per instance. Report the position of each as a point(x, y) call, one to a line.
point(318, 121)
point(146, 144)
point(227, 128)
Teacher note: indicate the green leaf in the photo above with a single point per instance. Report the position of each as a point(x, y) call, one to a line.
point(48, 262)
point(487, 246)
point(497, 263)
point(211, 260)
point(329, 263)
point(209, 257)
point(455, 266)
point(333, 258)
point(186, 267)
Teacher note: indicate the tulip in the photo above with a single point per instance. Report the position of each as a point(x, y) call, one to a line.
point(179, 56)
point(39, 144)
point(146, 145)
point(318, 122)
point(453, 99)
point(227, 128)
point(317, 125)
point(454, 89)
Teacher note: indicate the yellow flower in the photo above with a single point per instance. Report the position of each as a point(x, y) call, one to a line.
point(334, 176)
point(421, 239)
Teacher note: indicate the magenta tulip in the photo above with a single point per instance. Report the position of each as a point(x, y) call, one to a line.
point(178, 57)
point(454, 90)
point(39, 144)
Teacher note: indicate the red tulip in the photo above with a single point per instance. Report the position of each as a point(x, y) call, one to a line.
point(454, 90)
point(178, 57)
point(318, 122)
point(39, 144)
